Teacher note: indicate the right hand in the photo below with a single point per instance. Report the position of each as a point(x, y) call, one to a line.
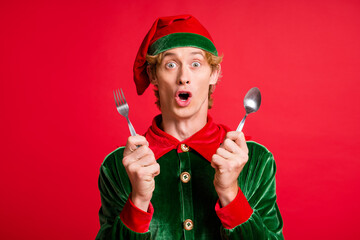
point(141, 167)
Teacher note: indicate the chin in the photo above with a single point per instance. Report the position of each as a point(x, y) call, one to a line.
point(189, 112)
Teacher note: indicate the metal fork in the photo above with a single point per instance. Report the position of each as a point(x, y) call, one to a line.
point(123, 108)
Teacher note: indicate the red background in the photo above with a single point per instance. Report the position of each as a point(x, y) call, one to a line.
point(61, 60)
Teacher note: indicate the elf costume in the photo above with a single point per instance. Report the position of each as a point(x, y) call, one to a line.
point(185, 204)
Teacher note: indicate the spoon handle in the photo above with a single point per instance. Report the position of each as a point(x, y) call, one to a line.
point(241, 125)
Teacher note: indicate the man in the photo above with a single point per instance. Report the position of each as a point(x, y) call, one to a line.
point(187, 178)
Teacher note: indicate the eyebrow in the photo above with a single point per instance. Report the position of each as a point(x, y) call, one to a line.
point(197, 52)
point(173, 54)
point(168, 54)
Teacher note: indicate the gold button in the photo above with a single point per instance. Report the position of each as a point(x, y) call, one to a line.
point(188, 224)
point(185, 177)
point(184, 148)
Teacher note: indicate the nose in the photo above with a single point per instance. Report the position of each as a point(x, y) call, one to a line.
point(184, 76)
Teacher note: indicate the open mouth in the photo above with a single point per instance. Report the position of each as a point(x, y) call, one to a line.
point(183, 98)
point(183, 95)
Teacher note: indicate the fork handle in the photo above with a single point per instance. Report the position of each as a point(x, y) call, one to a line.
point(131, 128)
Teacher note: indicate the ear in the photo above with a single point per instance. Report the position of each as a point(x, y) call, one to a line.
point(214, 77)
point(152, 78)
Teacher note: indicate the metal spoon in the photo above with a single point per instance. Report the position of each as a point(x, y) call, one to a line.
point(252, 101)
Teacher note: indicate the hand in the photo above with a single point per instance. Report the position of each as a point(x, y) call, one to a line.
point(141, 167)
point(228, 162)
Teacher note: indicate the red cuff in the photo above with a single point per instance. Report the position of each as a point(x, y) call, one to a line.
point(235, 213)
point(136, 219)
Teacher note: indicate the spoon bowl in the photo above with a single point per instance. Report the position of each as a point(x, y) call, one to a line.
point(252, 101)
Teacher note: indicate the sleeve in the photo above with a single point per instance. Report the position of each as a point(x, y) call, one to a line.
point(235, 213)
point(257, 182)
point(115, 189)
point(136, 219)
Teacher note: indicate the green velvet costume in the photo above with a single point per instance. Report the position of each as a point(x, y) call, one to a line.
point(174, 201)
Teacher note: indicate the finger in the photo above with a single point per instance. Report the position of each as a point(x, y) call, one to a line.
point(146, 160)
point(139, 172)
point(219, 164)
point(230, 146)
point(153, 169)
point(142, 151)
point(241, 141)
point(138, 154)
point(216, 161)
point(133, 142)
point(233, 135)
point(222, 152)
point(238, 138)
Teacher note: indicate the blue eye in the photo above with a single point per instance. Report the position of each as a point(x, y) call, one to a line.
point(171, 65)
point(195, 64)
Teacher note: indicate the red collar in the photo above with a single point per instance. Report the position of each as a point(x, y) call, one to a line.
point(206, 141)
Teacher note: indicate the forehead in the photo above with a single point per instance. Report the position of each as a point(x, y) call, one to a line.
point(184, 51)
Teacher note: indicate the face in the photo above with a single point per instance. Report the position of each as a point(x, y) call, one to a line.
point(183, 78)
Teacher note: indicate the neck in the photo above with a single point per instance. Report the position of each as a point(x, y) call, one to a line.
point(183, 128)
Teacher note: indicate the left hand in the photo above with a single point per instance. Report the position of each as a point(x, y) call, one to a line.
point(228, 161)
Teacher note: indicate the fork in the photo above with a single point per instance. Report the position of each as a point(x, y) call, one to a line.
point(123, 108)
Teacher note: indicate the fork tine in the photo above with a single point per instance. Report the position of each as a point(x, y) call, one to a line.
point(116, 102)
point(123, 95)
point(121, 101)
point(118, 98)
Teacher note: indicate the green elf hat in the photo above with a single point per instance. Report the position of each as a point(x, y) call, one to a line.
point(167, 33)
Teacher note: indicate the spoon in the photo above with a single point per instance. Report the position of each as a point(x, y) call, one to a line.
point(252, 101)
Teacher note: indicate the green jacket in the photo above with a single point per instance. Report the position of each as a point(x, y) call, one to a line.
point(175, 201)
